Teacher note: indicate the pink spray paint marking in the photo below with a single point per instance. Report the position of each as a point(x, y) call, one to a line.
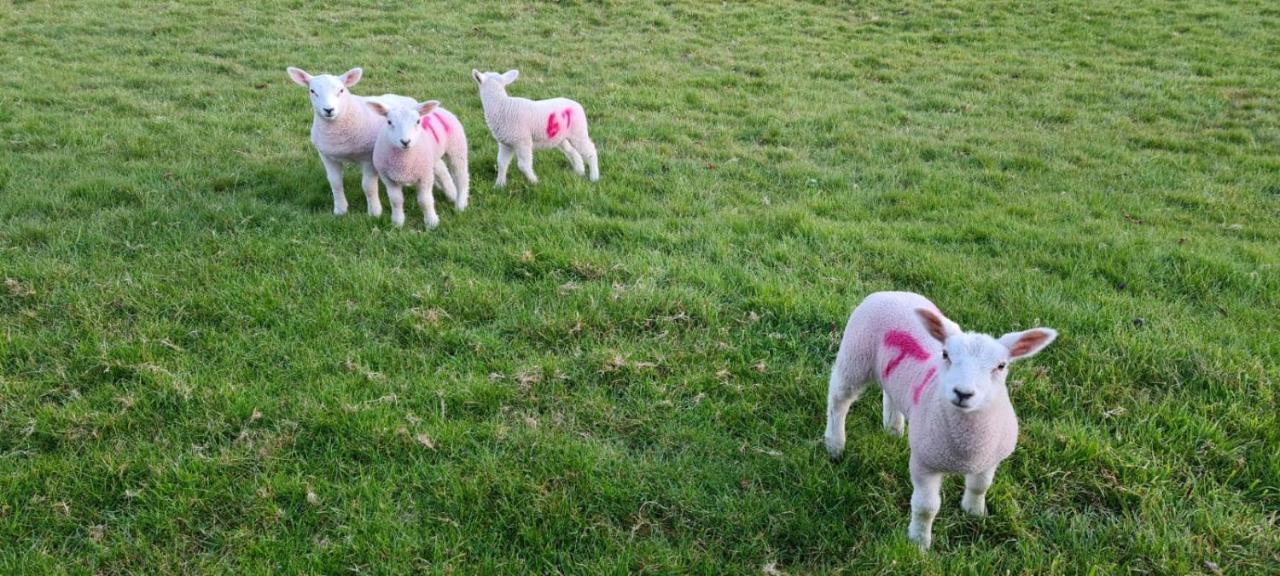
point(906, 345)
point(443, 124)
point(918, 388)
point(426, 123)
point(553, 125)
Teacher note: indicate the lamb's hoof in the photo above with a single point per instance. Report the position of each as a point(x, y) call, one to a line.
point(500, 184)
point(431, 222)
point(339, 210)
point(375, 212)
point(894, 430)
point(923, 540)
point(460, 205)
point(974, 507)
point(835, 448)
point(397, 221)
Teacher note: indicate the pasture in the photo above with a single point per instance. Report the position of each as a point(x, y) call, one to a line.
point(202, 370)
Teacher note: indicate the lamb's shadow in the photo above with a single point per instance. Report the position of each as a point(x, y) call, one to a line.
point(303, 185)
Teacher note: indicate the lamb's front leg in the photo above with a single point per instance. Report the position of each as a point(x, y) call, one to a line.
point(505, 153)
point(926, 499)
point(975, 492)
point(396, 195)
point(428, 203)
point(369, 182)
point(524, 159)
point(333, 171)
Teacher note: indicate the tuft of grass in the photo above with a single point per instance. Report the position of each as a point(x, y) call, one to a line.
point(202, 370)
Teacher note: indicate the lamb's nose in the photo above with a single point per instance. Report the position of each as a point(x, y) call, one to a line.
point(328, 111)
point(962, 397)
point(404, 142)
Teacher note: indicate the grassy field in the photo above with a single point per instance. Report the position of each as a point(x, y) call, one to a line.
point(203, 371)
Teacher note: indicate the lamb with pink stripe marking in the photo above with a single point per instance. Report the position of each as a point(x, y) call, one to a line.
point(949, 383)
point(410, 150)
point(521, 125)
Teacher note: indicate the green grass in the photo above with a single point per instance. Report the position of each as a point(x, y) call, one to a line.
point(203, 370)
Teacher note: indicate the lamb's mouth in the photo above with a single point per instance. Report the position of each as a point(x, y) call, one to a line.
point(961, 405)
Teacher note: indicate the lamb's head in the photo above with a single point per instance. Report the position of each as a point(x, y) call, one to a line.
point(974, 366)
point(404, 123)
point(494, 80)
point(329, 94)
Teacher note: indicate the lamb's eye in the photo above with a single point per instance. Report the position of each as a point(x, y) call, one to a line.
point(1001, 366)
point(313, 91)
point(341, 90)
point(388, 122)
point(945, 356)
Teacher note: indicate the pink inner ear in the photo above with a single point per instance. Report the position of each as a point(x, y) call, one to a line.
point(1027, 343)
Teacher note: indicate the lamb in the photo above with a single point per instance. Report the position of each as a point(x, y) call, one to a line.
point(521, 125)
point(950, 384)
point(343, 131)
point(409, 150)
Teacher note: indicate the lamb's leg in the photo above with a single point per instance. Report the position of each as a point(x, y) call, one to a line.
point(587, 148)
point(975, 492)
point(524, 160)
point(846, 385)
point(396, 195)
point(505, 153)
point(369, 181)
point(428, 203)
point(461, 175)
point(575, 159)
point(333, 170)
point(445, 180)
point(894, 421)
point(926, 499)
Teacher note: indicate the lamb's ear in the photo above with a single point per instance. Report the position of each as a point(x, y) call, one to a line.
point(352, 76)
point(510, 76)
point(299, 76)
point(1026, 343)
point(477, 76)
point(425, 108)
point(937, 326)
point(377, 108)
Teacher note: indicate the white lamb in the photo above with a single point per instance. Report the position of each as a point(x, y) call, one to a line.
point(408, 152)
point(521, 125)
point(950, 384)
point(344, 129)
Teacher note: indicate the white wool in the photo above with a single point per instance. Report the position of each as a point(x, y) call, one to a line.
point(521, 125)
point(950, 384)
point(343, 130)
point(408, 151)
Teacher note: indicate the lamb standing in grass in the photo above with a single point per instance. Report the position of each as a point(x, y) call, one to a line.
point(409, 152)
point(344, 129)
point(951, 386)
point(521, 125)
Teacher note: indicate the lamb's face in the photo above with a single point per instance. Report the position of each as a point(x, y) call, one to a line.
point(404, 125)
point(974, 368)
point(330, 96)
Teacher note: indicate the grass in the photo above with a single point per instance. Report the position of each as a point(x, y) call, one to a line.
point(203, 370)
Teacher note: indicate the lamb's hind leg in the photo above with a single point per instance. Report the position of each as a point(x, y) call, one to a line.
point(583, 144)
point(894, 421)
point(369, 181)
point(445, 180)
point(848, 380)
point(575, 159)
